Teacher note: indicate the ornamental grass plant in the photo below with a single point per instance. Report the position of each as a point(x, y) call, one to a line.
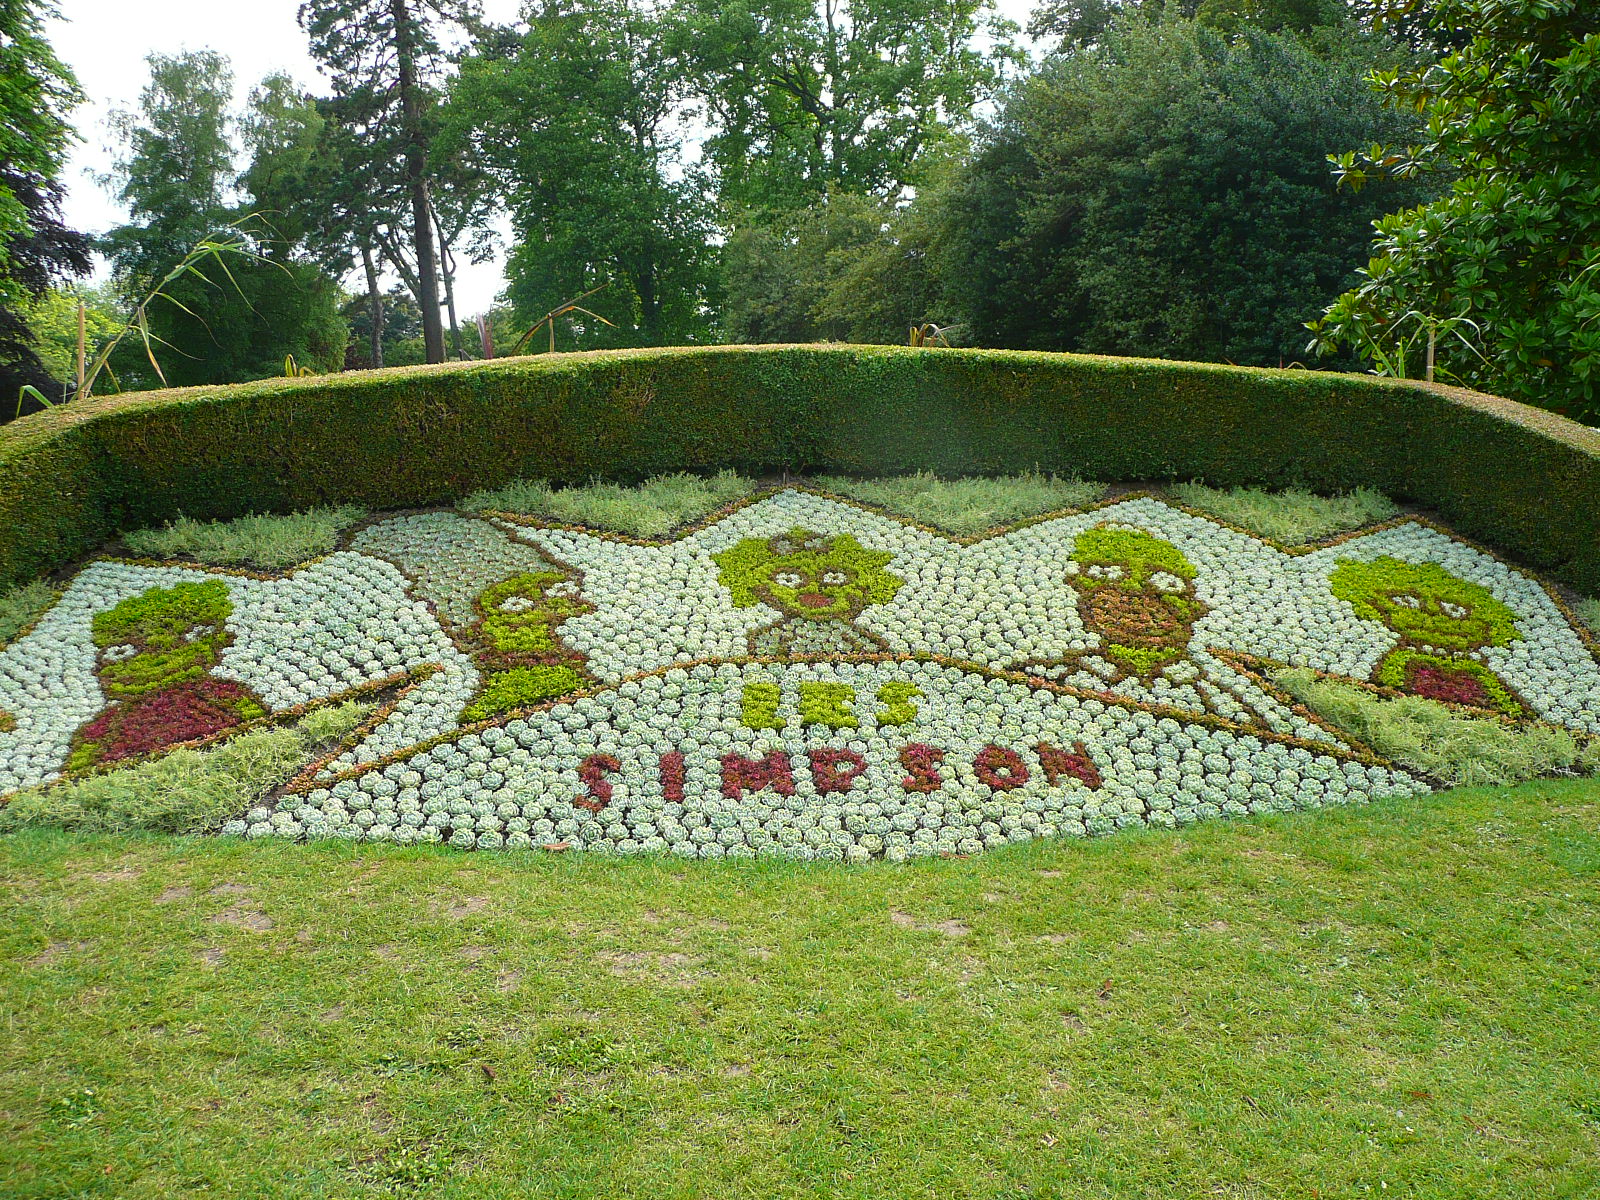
point(1291, 517)
point(969, 505)
point(1447, 744)
point(654, 507)
point(185, 791)
point(269, 542)
point(21, 606)
point(1589, 613)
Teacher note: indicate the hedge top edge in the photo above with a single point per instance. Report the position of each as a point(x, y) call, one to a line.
point(1522, 479)
point(66, 415)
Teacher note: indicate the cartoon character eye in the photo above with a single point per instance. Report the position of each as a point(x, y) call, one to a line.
point(565, 588)
point(517, 604)
point(815, 543)
point(195, 634)
point(1452, 610)
point(1166, 581)
point(787, 579)
point(1105, 571)
point(835, 578)
point(119, 653)
point(1407, 600)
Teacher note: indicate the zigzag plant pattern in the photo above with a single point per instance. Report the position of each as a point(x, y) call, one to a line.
point(796, 675)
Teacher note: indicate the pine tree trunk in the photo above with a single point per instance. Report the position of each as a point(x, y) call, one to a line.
point(416, 175)
point(447, 268)
point(374, 306)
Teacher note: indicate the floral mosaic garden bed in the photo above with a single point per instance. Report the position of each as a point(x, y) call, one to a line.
point(796, 675)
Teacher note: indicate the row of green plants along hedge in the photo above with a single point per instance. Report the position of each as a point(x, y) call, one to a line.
point(1519, 478)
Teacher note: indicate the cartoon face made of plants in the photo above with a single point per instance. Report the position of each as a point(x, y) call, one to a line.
point(1136, 593)
point(1444, 624)
point(518, 617)
point(154, 656)
point(519, 650)
point(817, 583)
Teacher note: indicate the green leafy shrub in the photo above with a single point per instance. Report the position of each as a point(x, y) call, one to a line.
point(967, 506)
point(412, 436)
point(1161, 189)
point(186, 791)
point(1461, 750)
point(1502, 268)
point(1291, 517)
point(21, 606)
point(654, 507)
point(269, 542)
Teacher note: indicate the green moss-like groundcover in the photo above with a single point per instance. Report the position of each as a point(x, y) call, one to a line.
point(1518, 478)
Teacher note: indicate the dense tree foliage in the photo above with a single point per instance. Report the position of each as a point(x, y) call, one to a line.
point(805, 96)
point(238, 317)
point(1157, 183)
point(174, 170)
point(37, 94)
point(578, 121)
point(386, 58)
point(1502, 272)
point(45, 252)
point(1085, 22)
point(849, 269)
point(1163, 192)
point(399, 331)
point(52, 320)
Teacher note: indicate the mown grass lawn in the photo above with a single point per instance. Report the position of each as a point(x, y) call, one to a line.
point(1401, 1000)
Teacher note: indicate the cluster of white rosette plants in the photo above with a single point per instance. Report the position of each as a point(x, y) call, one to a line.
point(960, 772)
point(799, 676)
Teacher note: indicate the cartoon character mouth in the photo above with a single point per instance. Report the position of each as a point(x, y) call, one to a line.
point(1134, 619)
point(815, 600)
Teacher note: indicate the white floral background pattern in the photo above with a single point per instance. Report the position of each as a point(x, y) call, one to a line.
point(397, 600)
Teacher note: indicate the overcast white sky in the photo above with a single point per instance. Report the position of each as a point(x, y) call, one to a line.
point(105, 43)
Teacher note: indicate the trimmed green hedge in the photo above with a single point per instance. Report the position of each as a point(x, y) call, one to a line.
point(1522, 479)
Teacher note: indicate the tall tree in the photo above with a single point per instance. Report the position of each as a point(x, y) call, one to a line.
point(177, 175)
point(1085, 22)
point(1163, 193)
point(328, 192)
point(174, 170)
point(785, 275)
point(37, 92)
point(285, 138)
point(386, 59)
point(365, 204)
point(1501, 273)
point(805, 96)
point(578, 121)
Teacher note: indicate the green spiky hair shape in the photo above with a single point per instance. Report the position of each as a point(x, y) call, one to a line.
point(1424, 603)
point(163, 610)
point(1142, 551)
point(807, 574)
point(518, 616)
point(159, 628)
